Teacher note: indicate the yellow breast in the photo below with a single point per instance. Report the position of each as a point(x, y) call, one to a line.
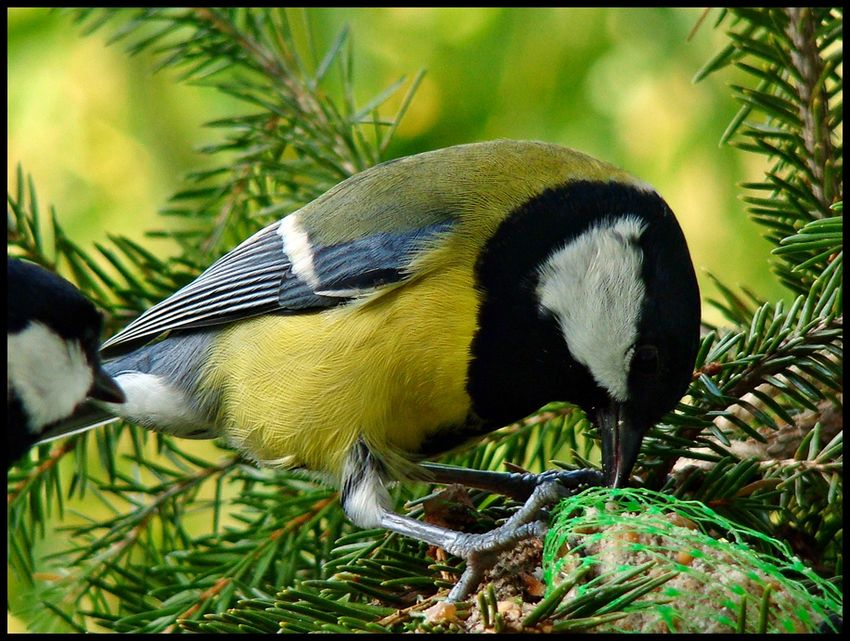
point(299, 390)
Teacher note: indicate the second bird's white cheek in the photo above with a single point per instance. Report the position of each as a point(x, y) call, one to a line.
point(50, 375)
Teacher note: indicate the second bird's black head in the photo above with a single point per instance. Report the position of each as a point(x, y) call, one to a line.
point(588, 296)
point(53, 336)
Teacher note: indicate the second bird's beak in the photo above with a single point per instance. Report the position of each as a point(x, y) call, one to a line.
point(105, 388)
point(620, 444)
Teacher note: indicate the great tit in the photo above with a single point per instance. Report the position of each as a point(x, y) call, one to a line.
point(53, 363)
point(420, 304)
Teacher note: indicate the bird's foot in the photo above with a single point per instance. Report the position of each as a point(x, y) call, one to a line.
point(481, 551)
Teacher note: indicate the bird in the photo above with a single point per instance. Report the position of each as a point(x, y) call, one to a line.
point(418, 305)
point(53, 362)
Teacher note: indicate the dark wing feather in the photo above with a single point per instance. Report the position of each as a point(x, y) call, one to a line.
point(257, 278)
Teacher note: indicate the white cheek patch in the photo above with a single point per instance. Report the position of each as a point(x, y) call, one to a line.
point(51, 376)
point(296, 244)
point(594, 287)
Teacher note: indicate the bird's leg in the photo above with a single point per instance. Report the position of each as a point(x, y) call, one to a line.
point(480, 550)
point(516, 485)
point(366, 502)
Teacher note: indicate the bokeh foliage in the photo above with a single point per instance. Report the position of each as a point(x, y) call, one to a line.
point(111, 141)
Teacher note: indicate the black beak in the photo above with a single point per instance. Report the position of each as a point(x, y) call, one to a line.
point(105, 388)
point(620, 444)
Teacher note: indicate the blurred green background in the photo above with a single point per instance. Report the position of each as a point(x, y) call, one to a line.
point(107, 140)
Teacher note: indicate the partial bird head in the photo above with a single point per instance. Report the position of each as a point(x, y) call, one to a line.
point(615, 324)
point(53, 340)
point(624, 295)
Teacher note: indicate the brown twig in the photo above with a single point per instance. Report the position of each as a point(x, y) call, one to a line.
point(814, 110)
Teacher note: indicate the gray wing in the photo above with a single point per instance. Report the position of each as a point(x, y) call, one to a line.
point(278, 270)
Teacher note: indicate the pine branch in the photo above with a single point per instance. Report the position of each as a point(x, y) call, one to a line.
point(793, 117)
point(754, 382)
point(812, 107)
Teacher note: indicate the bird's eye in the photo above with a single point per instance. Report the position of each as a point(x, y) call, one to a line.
point(645, 360)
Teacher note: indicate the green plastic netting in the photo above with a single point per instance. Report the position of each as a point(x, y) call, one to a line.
point(630, 560)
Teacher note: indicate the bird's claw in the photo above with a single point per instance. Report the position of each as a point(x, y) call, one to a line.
point(481, 551)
